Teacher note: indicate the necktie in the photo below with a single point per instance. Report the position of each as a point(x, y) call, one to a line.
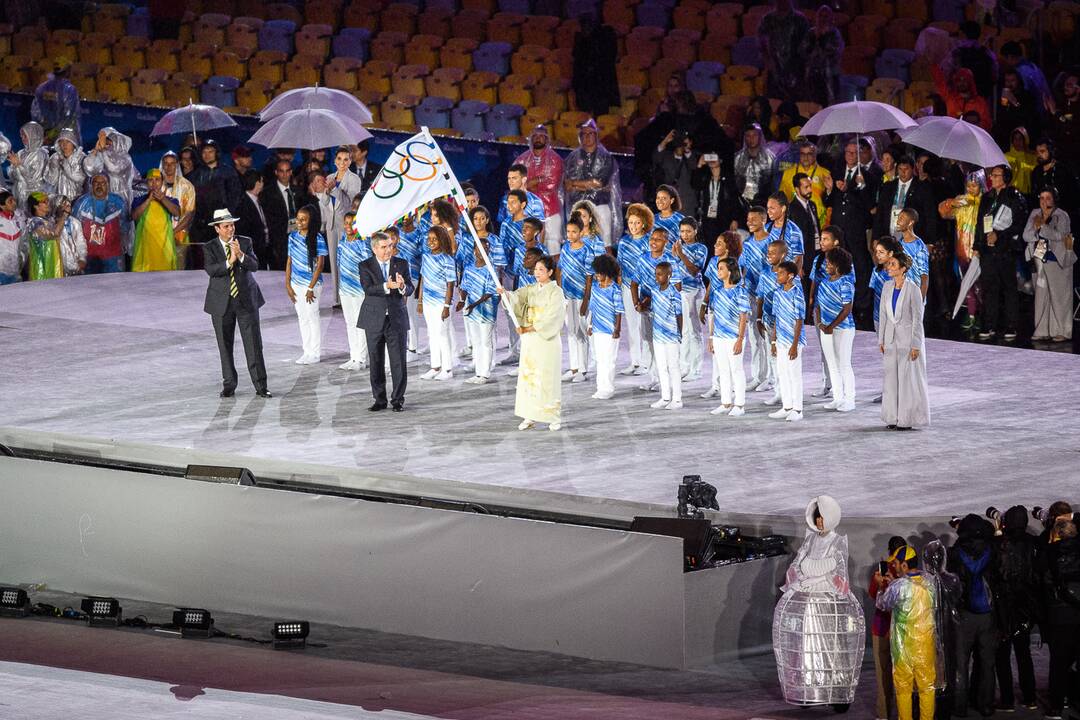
point(386, 271)
point(292, 206)
point(902, 195)
point(233, 290)
point(850, 175)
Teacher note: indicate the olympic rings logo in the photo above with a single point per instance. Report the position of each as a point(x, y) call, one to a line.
point(410, 166)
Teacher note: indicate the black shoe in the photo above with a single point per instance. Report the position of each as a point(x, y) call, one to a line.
point(264, 393)
point(890, 427)
point(903, 427)
point(376, 407)
point(225, 392)
point(399, 407)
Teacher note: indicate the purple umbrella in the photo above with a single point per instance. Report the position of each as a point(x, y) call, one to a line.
point(859, 117)
point(955, 139)
point(310, 130)
point(192, 117)
point(317, 98)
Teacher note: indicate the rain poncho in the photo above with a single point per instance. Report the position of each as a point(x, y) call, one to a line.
point(72, 245)
point(45, 259)
point(546, 169)
point(183, 192)
point(155, 245)
point(29, 175)
point(755, 172)
point(65, 174)
point(56, 106)
point(946, 589)
point(13, 246)
point(115, 162)
point(818, 625)
point(596, 165)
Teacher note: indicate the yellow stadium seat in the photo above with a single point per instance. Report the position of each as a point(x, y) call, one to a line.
point(631, 71)
point(210, 28)
point(470, 24)
point(371, 98)
point(559, 63)
point(915, 9)
point(397, 113)
point(399, 17)
point(611, 129)
point(505, 27)
point(283, 11)
point(650, 100)
point(111, 18)
point(682, 46)
point(376, 75)
point(689, 17)
point(566, 32)
point(886, 90)
point(84, 77)
point(323, 12)
point(164, 54)
point(517, 89)
point(63, 43)
point(305, 69)
point(243, 34)
point(389, 45)
point(481, 85)
point(409, 80)
point(738, 80)
point(341, 73)
point(435, 21)
point(553, 93)
point(445, 82)
point(267, 65)
point(423, 50)
point(484, 6)
point(716, 48)
point(230, 64)
point(314, 40)
point(663, 69)
point(751, 19)
point(644, 44)
point(39, 71)
point(255, 94)
point(536, 116)
point(197, 58)
point(15, 71)
point(114, 84)
point(96, 48)
point(360, 14)
point(287, 85)
point(148, 86)
point(182, 88)
point(457, 53)
point(130, 51)
point(540, 30)
point(529, 60)
point(858, 60)
point(722, 21)
point(566, 127)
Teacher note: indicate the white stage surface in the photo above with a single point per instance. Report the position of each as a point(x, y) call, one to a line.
point(126, 366)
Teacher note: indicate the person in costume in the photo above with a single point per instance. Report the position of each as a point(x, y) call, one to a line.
point(46, 262)
point(544, 170)
point(818, 626)
point(633, 244)
point(964, 209)
point(155, 241)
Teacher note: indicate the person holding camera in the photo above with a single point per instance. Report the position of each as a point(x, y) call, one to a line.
point(1017, 607)
point(879, 632)
point(674, 163)
point(1058, 571)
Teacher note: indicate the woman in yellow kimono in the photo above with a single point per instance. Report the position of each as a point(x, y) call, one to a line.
point(539, 308)
point(153, 213)
point(964, 209)
point(45, 260)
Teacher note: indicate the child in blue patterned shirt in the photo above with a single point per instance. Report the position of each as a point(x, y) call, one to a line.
point(787, 340)
point(664, 302)
point(603, 304)
point(480, 302)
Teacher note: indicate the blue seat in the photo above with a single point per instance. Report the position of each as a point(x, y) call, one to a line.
point(434, 112)
point(219, 90)
point(895, 63)
point(352, 42)
point(469, 117)
point(704, 76)
point(277, 35)
point(493, 57)
point(747, 52)
point(650, 14)
point(852, 87)
point(577, 8)
point(138, 22)
point(521, 7)
point(449, 5)
point(505, 119)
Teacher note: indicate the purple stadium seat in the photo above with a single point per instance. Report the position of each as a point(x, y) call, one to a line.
point(577, 8)
point(434, 112)
point(894, 63)
point(747, 52)
point(852, 87)
point(468, 117)
point(138, 23)
point(352, 42)
point(521, 7)
point(219, 90)
point(653, 14)
point(704, 76)
point(493, 57)
point(505, 119)
point(448, 5)
point(277, 35)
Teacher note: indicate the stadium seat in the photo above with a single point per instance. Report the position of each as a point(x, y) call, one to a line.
point(722, 19)
point(521, 7)
point(130, 52)
point(445, 82)
point(423, 50)
point(704, 76)
point(493, 57)
point(894, 63)
point(370, 98)
point(559, 63)
point(481, 86)
point(505, 27)
point(84, 77)
point(650, 101)
point(886, 90)
point(352, 42)
point(323, 12)
point(468, 117)
point(220, 90)
point(914, 9)
point(470, 24)
point(230, 64)
point(396, 112)
point(917, 95)
point(540, 30)
point(681, 45)
point(138, 23)
point(751, 19)
point(163, 54)
point(689, 17)
point(858, 60)
point(435, 21)
point(644, 44)
point(409, 79)
point(738, 80)
point(267, 65)
point(341, 73)
point(95, 48)
point(630, 95)
point(853, 87)
point(631, 71)
point(566, 127)
point(305, 69)
point(389, 45)
point(865, 30)
point(15, 71)
point(529, 60)
point(182, 88)
point(40, 70)
point(148, 86)
point(458, 53)
point(552, 92)
point(198, 58)
point(534, 117)
point(566, 32)
point(283, 11)
point(884, 8)
point(504, 119)
point(808, 109)
point(612, 130)
point(434, 112)
point(314, 40)
point(716, 48)
point(277, 35)
point(399, 17)
point(255, 94)
point(210, 28)
point(747, 51)
point(63, 44)
point(902, 33)
point(375, 76)
point(653, 15)
point(111, 19)
point(663, 69)
point(361, 15)
point(516, 89)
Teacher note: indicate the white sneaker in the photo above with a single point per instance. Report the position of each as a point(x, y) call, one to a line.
point(444, 375)
point(579, 377)
point(719, 410)
point(526, 425)
point(710, 393)
point(568, 375)
point(674, 405)
point(659, 404)
point(794, 416)
point(512, 372)
point(555, 427)
point(831, 405)
point(638, 370)
point(846, 407)
point(649, 387)
point(305, 360)
point(629, 370)
point(779, 414)
point(465, 353)
point(737, 412)
point(430, 374)
point(824, 392)
point(350, 365)
point(774, 400)
point(476, 380)
point(603, 396)
point(762, 386)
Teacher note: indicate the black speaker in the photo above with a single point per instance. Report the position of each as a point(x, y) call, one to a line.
point(697, 535)
point(220, 474)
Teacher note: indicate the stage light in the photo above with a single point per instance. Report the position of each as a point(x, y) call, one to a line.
point(289, 634)
point(14, 602)
point(694, 495)
point(102, 611)
point(193, 622)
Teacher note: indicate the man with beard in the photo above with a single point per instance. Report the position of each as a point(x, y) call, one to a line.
point(850, 196)
point(1049, 173)
point(998, 244)
point(543, 171)
point(591, 173)
point(755, 166)
point(216, 186)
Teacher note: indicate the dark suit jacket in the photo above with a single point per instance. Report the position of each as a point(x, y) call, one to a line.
point(251, 225)
point(371, 171)
point(277, 221)
point(217, 292)
point(802, 219)
point(851, 208)
point(920, 198)
point(378, 303)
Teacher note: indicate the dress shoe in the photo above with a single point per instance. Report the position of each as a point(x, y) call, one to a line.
point(264, 393)
point(399, 407)
point(226, 393)
point(376, 407)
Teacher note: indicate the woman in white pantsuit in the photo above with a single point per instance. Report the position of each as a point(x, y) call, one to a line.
point(905, 401)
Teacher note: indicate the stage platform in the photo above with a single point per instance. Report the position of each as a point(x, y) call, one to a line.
point(128, 364)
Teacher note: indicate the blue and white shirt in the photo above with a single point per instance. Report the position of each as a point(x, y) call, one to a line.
point(604, 304)
point(832, 296)
point(410, 248)
point(595, 243)
point(646, 271)
point(789, 307)
point(534, 207)
point(727, 305)
point(477, 282)
point(699, 254)
point(495, 250)
point(524, 275)
point(665, 308)
point(629, 255)
point(790, 233)
point(437, 272)
point(670, 225)
point(574, 265)
point(819, 273)
point(878, 278)
point(766, 286)
point(513, 243)
point(464, 257)
point(350, 253)
point(753, 260)
point(302, 267)
point(920, 260)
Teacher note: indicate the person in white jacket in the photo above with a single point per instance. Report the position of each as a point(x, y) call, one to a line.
point(65, 173)
point(28, 165)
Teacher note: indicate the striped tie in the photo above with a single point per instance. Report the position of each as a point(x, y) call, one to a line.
point(233, 290)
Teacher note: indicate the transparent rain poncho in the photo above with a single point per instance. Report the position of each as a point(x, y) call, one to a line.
point(818, 625)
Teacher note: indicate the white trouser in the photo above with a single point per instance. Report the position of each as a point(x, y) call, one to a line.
point(308, 315)
point(606, 349)
point(631, 325)
point(482, 338)
point(692, 348)
point(603, 219)
point(513, 339)
point(826, 376)
point(553, 234)
point(577, 337)
point(331, 243)
point(440, 342)
point(648, 353)
point(789, 375)
point(837, 349)
point(758, 342)
point(350, 305)
point(729, 372)
point(414, 322)
point(667, 367)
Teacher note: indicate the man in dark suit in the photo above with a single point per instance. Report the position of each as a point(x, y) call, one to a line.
point(279, 203)
point(851, 195)
point(233, 298)
point(804, 213)
point(906, 191)
point(383, 317)
point(252, 222)
point(364, 168)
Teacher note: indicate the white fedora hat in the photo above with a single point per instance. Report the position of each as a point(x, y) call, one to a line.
point(222, 216)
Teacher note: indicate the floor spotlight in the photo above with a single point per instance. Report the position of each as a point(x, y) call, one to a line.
point(290, 634)
point(14, 602)
point(193, 623)
point(102, 611)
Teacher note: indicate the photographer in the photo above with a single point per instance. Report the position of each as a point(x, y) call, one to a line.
point(973, 558)
point(1017, 606)
point(674, 163)
point(717, 202)
point(1058, 570)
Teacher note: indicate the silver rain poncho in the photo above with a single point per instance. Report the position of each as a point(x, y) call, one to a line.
point(65, 175)
point(818, 625)
point(29, 175)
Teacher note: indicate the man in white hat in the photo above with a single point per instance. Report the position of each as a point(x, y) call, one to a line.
point(233, 298)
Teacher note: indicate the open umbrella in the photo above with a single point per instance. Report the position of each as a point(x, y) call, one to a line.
point(859, 117)
point(955, 139)
point(317, 98)
point(310, 130)
point(192, 117)
point(970, 276)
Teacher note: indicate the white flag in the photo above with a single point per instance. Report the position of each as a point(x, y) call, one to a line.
point(415, 173)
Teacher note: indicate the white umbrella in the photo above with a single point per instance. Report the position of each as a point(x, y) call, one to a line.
point(310, 130)
point(970, 276)
point(317, 98)
point(955, 139)
point(193, 117)
point(859, 117)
